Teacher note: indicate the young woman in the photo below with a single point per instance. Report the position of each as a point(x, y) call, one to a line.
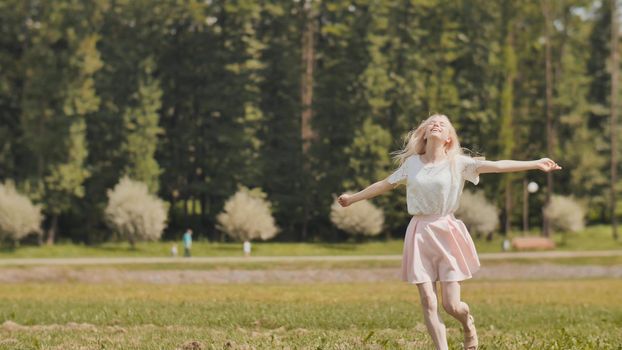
point(437, 246)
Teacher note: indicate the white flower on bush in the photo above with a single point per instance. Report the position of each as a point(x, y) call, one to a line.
point(135, 213)
point(360, 218)
point(18, 216)
point(246, 216)
point(477, 213)
point(565, 214)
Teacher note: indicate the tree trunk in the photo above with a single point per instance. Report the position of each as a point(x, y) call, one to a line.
point(202, 221)
point(508, 207)
point(308, 62)
point(306, 93)
point(490, 236)
point(507, 106)
point(192, 208)
point(615, 61)
point(171, 212)
point(525, 207)
point(185, 221)
point(53, 229)
point(546, 12)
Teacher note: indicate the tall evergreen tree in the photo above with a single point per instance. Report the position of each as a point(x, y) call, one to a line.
point(598, 99)
point(281, 161)
point(142, 130)
point(339, 103)
point(614, 128)
point(506, 132)
point(58, 94)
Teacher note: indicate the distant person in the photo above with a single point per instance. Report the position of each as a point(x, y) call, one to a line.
point(247, 248)
point(437, 246)
point(507, 245)
point(187, 243)
point(174, 250)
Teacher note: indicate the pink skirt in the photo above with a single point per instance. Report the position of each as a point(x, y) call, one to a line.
point(438, 248)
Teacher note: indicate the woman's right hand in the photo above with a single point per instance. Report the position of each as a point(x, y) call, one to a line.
point(345, 200)
point(546, 165)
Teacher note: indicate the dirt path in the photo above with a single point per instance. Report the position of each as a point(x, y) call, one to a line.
point(67, 269)
point(235, 259)
point(333, 275)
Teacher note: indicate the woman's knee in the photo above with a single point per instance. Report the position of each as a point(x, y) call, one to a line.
point(429, 302)
point(452, 307)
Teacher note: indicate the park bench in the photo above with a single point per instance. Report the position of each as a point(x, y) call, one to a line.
point(532, 243)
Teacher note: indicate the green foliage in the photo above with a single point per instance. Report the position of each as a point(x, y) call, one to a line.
point(506, 133)
point(196, 97)
point(142, 130)
point(58, 64)
point(368, 155)
point(65, 179)
point(280, 169)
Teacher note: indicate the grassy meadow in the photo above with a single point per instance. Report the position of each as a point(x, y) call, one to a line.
point(535, 314)
point(592, 238)
point(578, 314)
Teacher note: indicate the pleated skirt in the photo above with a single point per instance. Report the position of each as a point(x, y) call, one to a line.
point(438, 248)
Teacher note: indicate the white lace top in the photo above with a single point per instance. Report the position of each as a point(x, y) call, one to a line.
point(430, 189)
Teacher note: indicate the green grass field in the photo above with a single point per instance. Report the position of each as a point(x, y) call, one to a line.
point(593, 238)
point(539, 314)
point(578, 314)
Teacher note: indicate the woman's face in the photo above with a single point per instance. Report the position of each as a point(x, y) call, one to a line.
point(437, 127)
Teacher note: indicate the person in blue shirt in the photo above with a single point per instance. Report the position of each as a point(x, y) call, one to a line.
point(187, 242)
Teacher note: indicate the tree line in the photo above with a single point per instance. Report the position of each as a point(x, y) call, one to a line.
point(303, 99)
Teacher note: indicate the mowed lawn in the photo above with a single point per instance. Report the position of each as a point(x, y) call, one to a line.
point(577, 314)
point(597, 237)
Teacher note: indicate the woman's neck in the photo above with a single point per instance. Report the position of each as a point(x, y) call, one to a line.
point(434, 151)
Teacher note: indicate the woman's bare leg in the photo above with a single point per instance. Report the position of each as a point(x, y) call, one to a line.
point(458, 309)
point(431, 314)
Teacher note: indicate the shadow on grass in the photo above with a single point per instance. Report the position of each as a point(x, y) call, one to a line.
point(340, 246)
point(113, 249)
point(7, 249)
point(231, 248)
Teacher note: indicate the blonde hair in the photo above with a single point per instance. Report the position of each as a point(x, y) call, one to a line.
point(415, 142)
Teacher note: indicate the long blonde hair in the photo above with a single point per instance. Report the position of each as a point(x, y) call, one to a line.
point(415, 142)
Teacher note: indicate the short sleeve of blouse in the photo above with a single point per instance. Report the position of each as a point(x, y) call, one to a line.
point(400, 175)
point(469, 169)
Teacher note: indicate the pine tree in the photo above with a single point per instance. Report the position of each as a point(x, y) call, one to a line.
point(58, 94)
point(142, 129)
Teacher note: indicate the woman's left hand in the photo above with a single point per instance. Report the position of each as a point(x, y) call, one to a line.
point(344, 200)
point(546, 165)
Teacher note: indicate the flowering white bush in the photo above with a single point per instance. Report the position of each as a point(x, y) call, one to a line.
point(18, 216)
point(481, 216)
point(247, 215)
point(360, 218)
point(565, 213)
point(135, 213)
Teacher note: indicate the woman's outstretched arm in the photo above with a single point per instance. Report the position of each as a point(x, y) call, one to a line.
point(509, 166)
point(370, 191)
